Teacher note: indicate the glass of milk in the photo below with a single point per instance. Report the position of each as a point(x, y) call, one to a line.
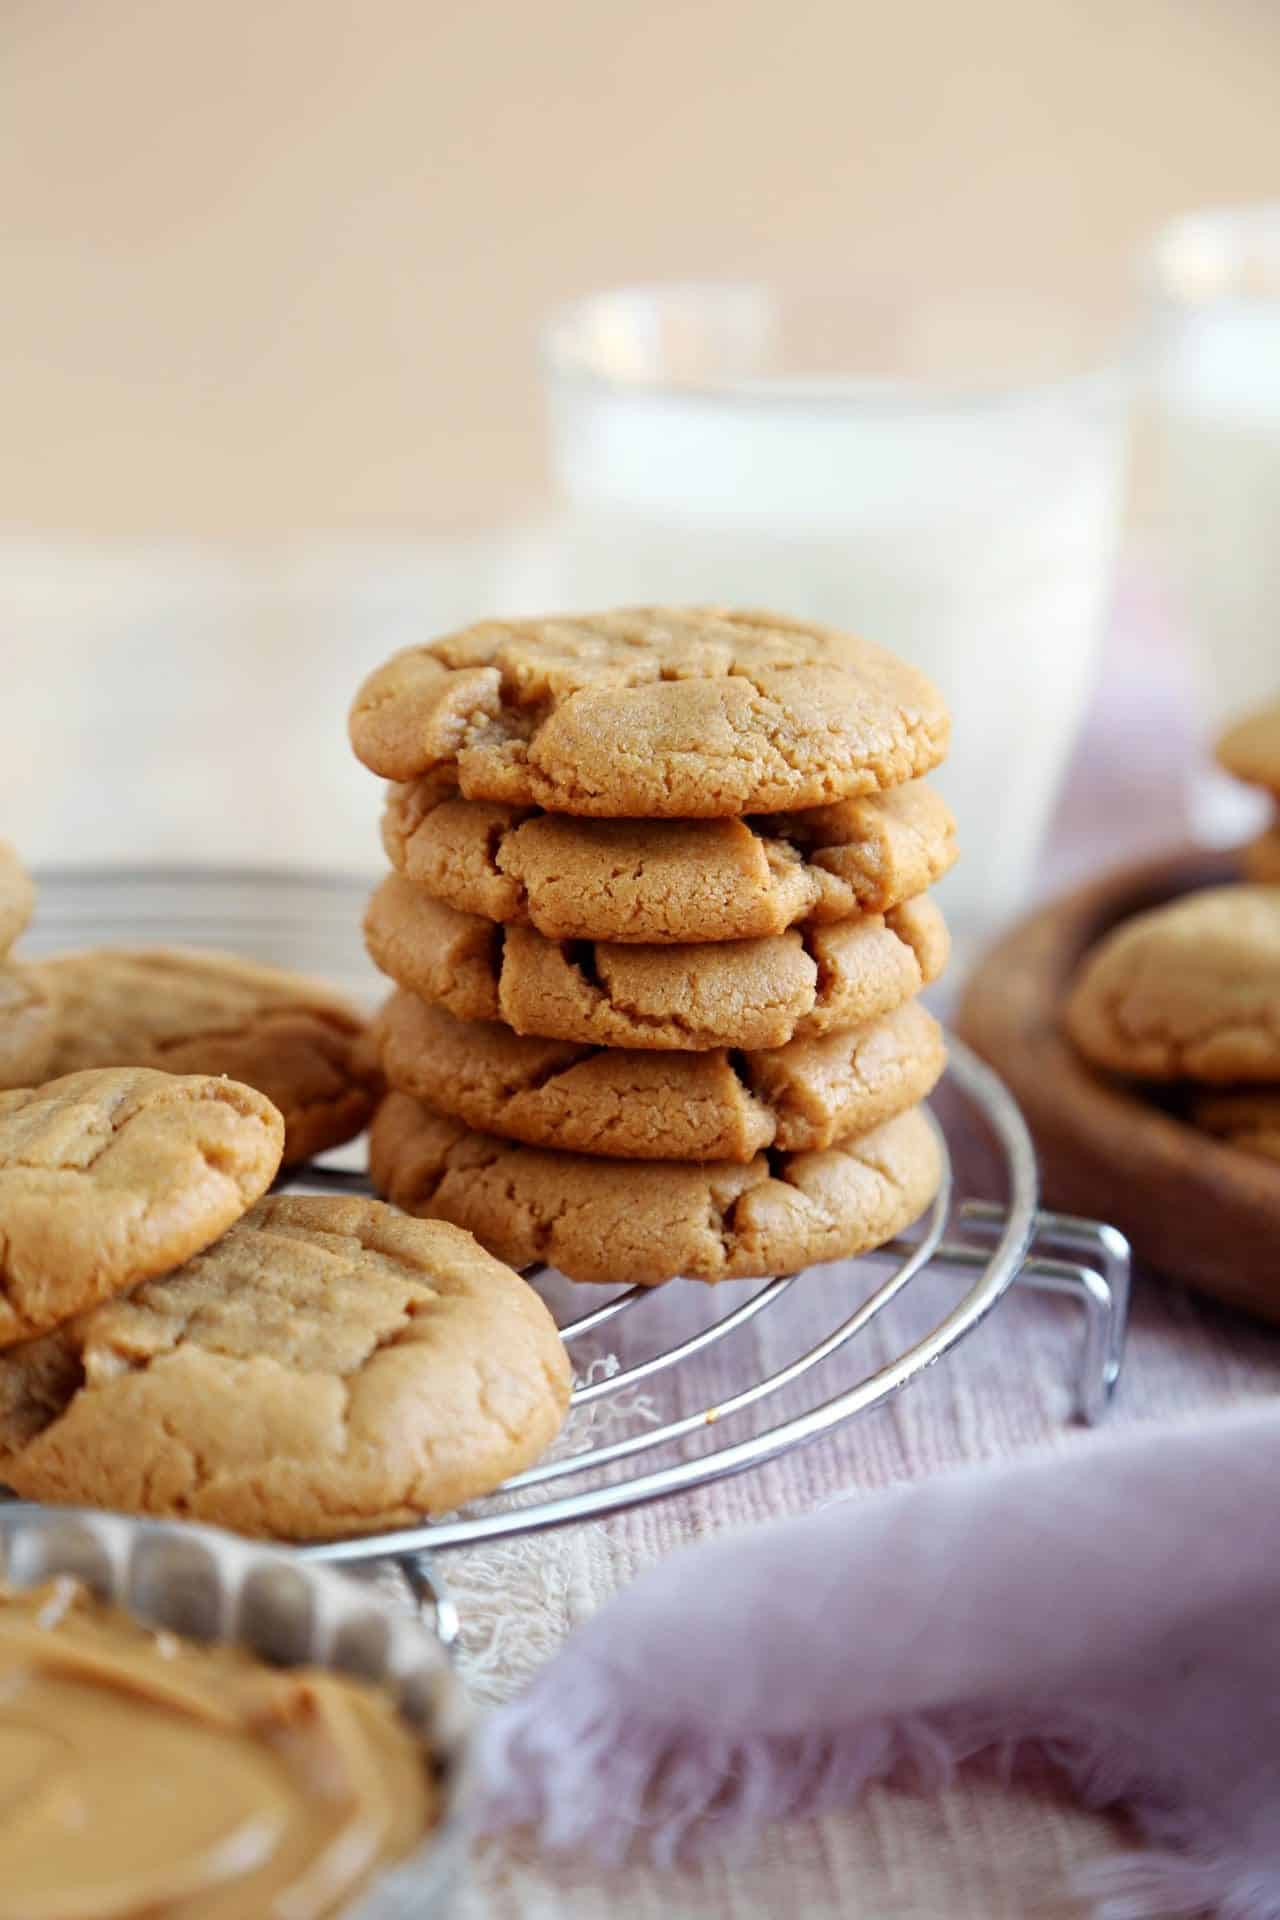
point(941, 476)
point(1214, 278)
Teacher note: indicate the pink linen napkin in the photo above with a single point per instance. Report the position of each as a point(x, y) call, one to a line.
point(1116, 1604)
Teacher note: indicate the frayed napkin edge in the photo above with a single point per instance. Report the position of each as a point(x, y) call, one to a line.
point(567, 1764)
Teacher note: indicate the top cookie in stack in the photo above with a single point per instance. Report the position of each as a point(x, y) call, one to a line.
point(667, 869)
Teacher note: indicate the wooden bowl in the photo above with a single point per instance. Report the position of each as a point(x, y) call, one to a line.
point(1195, 1209)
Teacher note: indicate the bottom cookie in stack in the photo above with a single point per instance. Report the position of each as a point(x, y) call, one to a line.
point(646, 1221)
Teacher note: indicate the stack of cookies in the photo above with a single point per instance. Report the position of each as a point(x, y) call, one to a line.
point(657, 923)
point(1251, 751)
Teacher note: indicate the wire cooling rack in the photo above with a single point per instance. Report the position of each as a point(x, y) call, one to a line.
point(643, 1425)
point(986, 1248)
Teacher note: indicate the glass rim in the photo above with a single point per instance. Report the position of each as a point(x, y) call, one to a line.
point(565, 355)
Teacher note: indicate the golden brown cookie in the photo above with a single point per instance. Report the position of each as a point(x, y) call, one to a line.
point(1260, 860)
point(642, 1222)
point(734, 993)
point(1248, 1119)
point(1251, 748)
point(17, 897)
point(195, 1012)
point(1190, 990)
point(111, 1176)
point(693, 712)
point(668, 880)
point(28, 1027)
point(329, 1367)
point(719, 1105)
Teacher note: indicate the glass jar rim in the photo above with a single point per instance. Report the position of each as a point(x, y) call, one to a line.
point(1210, 252)
point(575, 348)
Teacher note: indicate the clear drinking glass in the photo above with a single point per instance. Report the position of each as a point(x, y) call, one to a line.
point(1214, 282)
point(942, 476)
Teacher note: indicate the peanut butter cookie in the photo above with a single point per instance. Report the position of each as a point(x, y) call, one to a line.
point(28, 1027)
point(661, 1106)
point(735, 993)
point(1251, 748)
point(109, 1177)
point(17, 897)
point(1260, 860)
point(194, 1012)
point(695, 713)
point(668, 880)
point(329, 1367)
point(1187, 991)
point(1248, 1119)
point(644, 1222)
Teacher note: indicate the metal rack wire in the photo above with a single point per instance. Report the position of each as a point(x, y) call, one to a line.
point(855, 1361)
point(988, 1248)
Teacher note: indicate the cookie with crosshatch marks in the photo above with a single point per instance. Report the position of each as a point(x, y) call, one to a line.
point(330, 1367)
point(720, 1105)
point(643, 1222)
point(733, 993)
point(668, 880)
point(109, 1177)
point(651, 712)
point(191, 1011)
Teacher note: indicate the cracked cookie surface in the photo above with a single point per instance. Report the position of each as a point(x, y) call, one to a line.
point(668, 880)
point(734, 993)
point(330, 1367)
point(1248, 1120)
point(644, 1222)
point(28, 1026)
point(109, 1177)
point(1251, 748)
point(694, 712)
point(719, 1105)
point(17, 896)
point(190, 1011)
point(1189, 991)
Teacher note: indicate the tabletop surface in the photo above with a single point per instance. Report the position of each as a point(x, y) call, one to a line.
point(201, 762)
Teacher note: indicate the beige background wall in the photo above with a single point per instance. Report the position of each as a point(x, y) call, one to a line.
point(278, 263)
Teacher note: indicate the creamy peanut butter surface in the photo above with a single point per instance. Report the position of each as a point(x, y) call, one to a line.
point(144, 1775)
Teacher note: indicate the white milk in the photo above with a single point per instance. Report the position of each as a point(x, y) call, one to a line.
point(975, 541)
point(1220, 470)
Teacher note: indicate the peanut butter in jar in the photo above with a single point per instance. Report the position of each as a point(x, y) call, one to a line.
point(146, 1775)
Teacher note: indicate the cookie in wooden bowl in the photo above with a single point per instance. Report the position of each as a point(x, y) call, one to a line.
point(1195, 1209)
point(1250, 750)
point(1189, 990)
point(1247, 1118)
